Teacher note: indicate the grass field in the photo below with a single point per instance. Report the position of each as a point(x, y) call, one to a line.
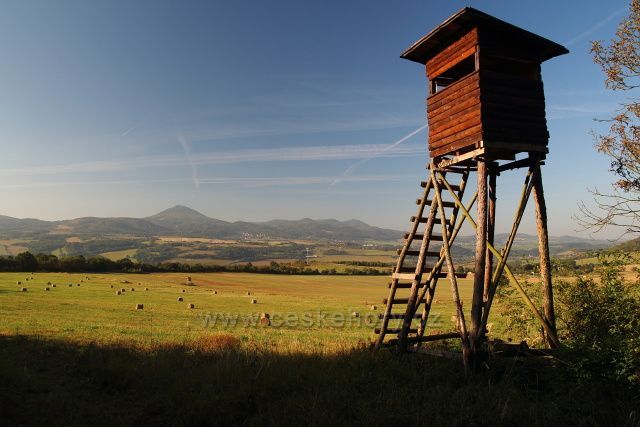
point(77, 355)
point(322, 305)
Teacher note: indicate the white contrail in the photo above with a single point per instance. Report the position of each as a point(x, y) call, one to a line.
point(594, 28)
point(187, 153)
point(361, 162)
point(277, 154)
point(128, 131)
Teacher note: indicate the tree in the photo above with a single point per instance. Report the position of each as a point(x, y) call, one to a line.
point(620, 61)
point(26, 261)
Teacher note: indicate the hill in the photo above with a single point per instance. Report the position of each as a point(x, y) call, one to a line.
point(186, 222)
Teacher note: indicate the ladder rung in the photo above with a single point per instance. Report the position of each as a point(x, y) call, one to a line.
point(422, 220)
point(454, 187)
point(394, 331)
point(444, 204)
point(403, 276)
point(399, 301)
point(412, 270)
point(406, 285)
point(435, 337)
point(444, 275)
point(461, 171)
point(399, 316)
point(419, 236)
point(417, 253)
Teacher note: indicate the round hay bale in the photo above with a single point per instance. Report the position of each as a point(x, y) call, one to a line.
point(215, 292)
point(111, 286)
point(26, 279)
point(81, 281)
point(138, 283)
point(182, 290)
point(122, 290)
point(133, 289)
point(78, 284)
point(192, 305)
point(71, 285)
point(180, 299)
point(146, 289)
point(265, 319)
point(118, 292)
point(47, 288)
point(18, 283)
point(248, 293)
point(254, 301)
point(49, 283)
point(188, 278)
point(355, 314)
point(54, 285)
point(374, 307)
point(23, 289)
point(139, 306)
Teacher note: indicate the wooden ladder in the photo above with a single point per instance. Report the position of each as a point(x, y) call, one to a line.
point(418, 268)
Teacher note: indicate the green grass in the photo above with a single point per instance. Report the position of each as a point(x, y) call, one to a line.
point(93, 311)
point(83, 354)
point(117, 255)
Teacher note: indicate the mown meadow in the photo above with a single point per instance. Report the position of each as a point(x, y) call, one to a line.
point(80, 353)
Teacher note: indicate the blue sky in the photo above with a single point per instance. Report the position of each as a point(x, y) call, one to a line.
point(254, 110)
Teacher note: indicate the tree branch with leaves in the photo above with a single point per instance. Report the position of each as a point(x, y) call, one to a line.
point(620, 61)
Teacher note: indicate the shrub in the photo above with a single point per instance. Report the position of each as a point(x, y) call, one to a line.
point(600, 323)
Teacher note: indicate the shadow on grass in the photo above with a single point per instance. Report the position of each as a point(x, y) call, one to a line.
point(219, 382)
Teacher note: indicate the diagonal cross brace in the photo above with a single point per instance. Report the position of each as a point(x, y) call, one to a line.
point(552, 335)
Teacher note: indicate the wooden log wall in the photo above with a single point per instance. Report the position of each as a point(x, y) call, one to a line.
point(513, 109)
point(502, 101)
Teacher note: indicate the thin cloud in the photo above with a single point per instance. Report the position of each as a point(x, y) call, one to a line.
point(278, 154)
point(287, 127)
point(187, 154)
point(347, 172)
point(300, 180)
point(128, 131)
point(594, 28)
point(242, 181)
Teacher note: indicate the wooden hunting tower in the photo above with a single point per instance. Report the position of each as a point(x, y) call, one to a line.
point(485, 108)
point(485, 89)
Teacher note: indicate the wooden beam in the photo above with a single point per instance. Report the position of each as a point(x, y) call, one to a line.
point(462, 327)
point(514, 281)
point(491, 228)
point(441, 164)
point(481, 254)
point(543, 249)
point(526, 191)
point(514, 146)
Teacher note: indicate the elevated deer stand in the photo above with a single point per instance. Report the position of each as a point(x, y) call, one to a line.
point(486, 115)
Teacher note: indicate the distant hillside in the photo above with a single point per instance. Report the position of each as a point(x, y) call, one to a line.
point(182, 221)
point(628, 246)
point(527, 244)
point(186, 222)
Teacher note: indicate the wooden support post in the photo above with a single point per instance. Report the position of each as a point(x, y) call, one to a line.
point(462, 327)
point(491, 229)
point(481, 253)
point(514, 281)
point(543, 249)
